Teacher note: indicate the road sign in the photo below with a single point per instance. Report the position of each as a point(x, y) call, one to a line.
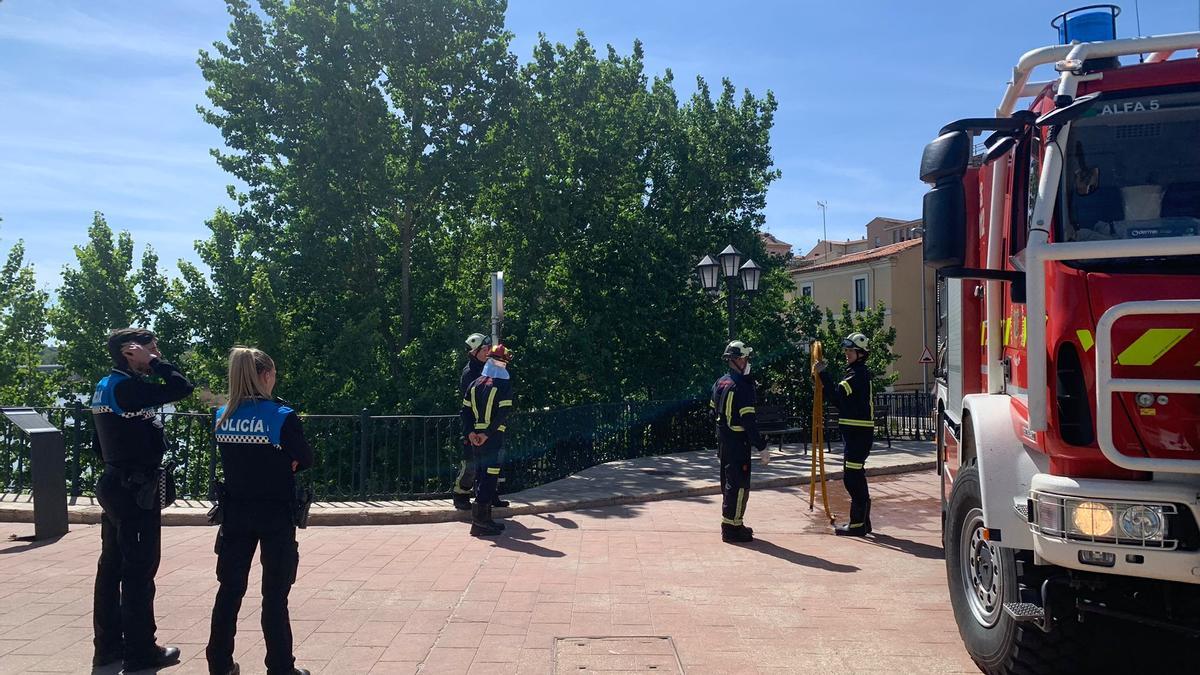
point(926, 356)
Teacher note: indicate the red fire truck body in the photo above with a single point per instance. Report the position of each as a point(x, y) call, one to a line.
point(1068, 252)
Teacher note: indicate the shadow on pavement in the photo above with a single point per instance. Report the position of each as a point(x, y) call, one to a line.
point(27, 543)
point(797, 558)
point(518, 538)
point(913, 548)
point(565, 523)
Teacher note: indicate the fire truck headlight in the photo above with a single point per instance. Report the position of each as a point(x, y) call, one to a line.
point(1049, 514)
point(1143, 522)
point(1092, 519)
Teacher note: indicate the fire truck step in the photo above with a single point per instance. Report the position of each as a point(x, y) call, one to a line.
point(1024, 611)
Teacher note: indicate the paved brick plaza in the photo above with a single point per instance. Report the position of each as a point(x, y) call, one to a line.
point(430, 599)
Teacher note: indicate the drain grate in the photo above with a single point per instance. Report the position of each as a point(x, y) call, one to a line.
point(641, 654)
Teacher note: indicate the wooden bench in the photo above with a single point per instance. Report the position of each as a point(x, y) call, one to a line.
point(773, 422)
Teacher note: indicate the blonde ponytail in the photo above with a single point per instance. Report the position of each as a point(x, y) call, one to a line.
point(246, 365)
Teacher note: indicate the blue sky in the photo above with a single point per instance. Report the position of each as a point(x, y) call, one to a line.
point(97, 100)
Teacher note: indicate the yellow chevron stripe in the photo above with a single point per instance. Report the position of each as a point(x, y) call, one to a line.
point(1151, 346)
point(1085, 339)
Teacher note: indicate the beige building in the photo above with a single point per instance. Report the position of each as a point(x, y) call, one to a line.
point(774, 245)
point(889, 272)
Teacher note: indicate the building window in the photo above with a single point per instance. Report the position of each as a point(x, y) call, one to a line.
point(895, 236)
point(861, 301)
point(806, 290)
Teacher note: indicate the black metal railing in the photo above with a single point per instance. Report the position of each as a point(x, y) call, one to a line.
point(372, 457)
point(376, 457)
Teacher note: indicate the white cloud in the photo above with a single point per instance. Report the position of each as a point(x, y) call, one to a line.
point(68, 28)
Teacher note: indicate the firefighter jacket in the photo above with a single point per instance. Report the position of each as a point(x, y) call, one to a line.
point(128, 433)
point(470, 373)
point(485, 408)
point(733, 401)
point(852, 396)
point(258, 443)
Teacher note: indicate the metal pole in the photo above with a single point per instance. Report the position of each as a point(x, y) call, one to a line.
point(924, 334)
point(364, 451)
point(824, 234)
point(730, 303)
point(497, 305)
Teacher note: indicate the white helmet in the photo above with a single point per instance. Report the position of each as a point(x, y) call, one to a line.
point(856, 341)
point(737, 350)
point(477, 340)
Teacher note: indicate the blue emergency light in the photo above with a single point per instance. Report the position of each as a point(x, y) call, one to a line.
point(1087, 24)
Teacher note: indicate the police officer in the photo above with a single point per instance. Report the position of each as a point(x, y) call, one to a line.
point(484, 414)
point(129, 439)
point(262, 446)
point(733, 400)
point(478, 346)
point(856, 421)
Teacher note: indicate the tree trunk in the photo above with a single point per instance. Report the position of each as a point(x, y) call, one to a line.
point(406, 243)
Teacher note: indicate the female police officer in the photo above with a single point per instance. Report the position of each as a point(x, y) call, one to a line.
point(262, 445)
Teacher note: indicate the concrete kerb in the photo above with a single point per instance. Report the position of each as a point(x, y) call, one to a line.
point(338, 514)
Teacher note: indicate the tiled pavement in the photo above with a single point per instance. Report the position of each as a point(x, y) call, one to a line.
point(428, 598)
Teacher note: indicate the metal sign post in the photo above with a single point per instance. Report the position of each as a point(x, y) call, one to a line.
point(497, 305)
point(48, 469)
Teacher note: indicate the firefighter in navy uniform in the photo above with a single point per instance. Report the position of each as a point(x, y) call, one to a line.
point(478, 346)
point(131, 491)
point(856, 422)
point(733, 400)
point(262, 446)
point(484, 414)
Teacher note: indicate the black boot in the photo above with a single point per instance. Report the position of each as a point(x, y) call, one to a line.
point(499, 526)
point(462, 502)
point(736, 534)
point(481, 524)
point(499, 503)
point(162, 657)
point(857, 527)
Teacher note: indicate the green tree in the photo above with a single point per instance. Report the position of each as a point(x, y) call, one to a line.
point(105, 292)
point(358, 129)
point(23, 334)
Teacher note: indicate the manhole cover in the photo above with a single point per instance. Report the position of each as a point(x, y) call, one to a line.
point(648, 654)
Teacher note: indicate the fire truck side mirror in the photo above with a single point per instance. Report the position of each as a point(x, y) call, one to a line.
point(944, 213)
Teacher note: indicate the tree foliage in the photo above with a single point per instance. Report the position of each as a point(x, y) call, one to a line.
point(105, 291)
point(22, 333)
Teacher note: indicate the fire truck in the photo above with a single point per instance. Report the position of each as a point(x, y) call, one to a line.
point(1065, 232)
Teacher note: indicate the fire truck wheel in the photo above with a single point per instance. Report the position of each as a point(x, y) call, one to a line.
point(982, 577)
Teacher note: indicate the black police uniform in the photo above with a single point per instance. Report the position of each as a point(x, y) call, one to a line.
point(464, 483)
point(733, 399)
point(485, 409)
point(129, 439)
point(856, 421)
point(258, 444)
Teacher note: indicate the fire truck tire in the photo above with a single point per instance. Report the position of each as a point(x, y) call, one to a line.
point(982, 577)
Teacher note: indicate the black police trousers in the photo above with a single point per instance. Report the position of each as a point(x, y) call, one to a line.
point(247, 525)
point(464, 483)
point(130, 548)
point(735, 480)
point(858, 442)
point(488, 458)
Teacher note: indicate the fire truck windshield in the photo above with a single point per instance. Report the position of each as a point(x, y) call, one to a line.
point(1132, 170)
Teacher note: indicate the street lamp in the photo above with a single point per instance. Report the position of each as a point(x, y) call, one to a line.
point(741, 280)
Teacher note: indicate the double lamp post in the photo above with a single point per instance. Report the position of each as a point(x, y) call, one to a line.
point(731, 268)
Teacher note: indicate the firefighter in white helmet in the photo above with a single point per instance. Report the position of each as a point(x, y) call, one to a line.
point(733, 401)
point(477, 345)
point(856, 422)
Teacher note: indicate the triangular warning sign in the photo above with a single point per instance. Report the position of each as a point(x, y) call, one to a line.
point(926, 356)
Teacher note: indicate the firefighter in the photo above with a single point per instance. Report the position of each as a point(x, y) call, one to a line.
point(262, 446)
point(478, 346)
point(484, 414)
point(856, 421)
point(733, 400)
point(129, 439)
